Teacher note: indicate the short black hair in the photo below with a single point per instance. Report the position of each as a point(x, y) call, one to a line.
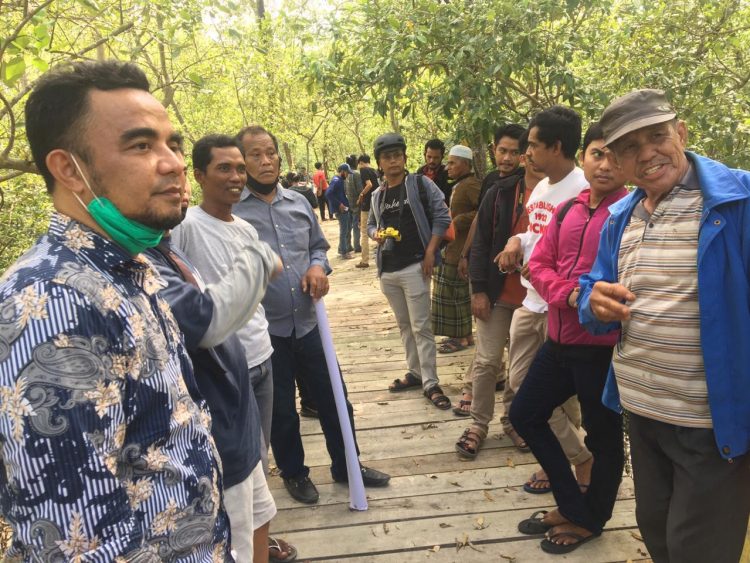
point(254, 130)
point(351, 160)
point(435, 144)
point(593, 133)
point(523, 142)
point(58, 105)
point(202, 149)
point(512, 130)
point(318, 165)
point(559, 123)
point(364, 158)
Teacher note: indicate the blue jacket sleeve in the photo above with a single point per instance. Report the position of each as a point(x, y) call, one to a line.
point(602, 270)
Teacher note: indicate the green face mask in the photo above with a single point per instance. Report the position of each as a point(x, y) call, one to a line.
point(131, 235)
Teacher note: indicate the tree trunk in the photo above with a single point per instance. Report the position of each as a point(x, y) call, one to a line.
point(261, 9)
point(288, 155)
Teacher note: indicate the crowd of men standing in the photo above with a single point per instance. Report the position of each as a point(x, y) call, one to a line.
point(150, 352)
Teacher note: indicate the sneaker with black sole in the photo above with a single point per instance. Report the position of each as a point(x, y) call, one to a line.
point(302, 489)
point(370, 477)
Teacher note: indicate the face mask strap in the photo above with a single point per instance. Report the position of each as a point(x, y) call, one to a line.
point(83, 177)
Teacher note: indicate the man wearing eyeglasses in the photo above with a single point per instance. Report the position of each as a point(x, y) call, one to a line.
point(672, 274)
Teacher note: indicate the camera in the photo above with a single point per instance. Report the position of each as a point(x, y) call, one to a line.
point(390, 235)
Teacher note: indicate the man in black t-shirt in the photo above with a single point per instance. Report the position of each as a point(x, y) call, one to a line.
point(408, 218)
point(369, 182)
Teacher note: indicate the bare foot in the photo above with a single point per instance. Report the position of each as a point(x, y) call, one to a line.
point(567, 527)
point(583, 474)
point(539, 480)
point(554, 518)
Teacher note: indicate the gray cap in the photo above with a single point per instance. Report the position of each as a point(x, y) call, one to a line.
point(345, 168)
point(635, 110)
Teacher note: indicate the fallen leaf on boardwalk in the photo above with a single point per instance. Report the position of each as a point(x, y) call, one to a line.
point(636, 535)
point(479, 524)
point(435, 548)
point(387, 349)
point(488, 496)
point(456, 484)
point(444, 525)
point(641, 552)
point(372, 531)
point(433, 476)
point(408, 437)
point(415, 462)
point(382, 402)
point(429, 425)
point(511, 558)
point(488, 482)
point(510, 463)
point(462, 543)
point(386, 528)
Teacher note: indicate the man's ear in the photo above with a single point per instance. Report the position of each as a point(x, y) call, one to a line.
point(682, 132)
point(199, 176)
point(65, 173)
point(557, 147)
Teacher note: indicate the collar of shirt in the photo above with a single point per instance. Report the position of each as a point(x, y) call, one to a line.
point(280, 194)
point(103, 252)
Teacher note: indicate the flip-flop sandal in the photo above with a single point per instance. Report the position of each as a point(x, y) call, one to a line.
point(534, 525)
point(451, 347)
point(559, 549)
point(411, 381)
point(280, 546)
point(518, 442)
point(436, 396)
point(468, 444)
point(538, 490)
point(460, 411)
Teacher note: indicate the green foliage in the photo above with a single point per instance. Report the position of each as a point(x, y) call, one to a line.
point(327, 83)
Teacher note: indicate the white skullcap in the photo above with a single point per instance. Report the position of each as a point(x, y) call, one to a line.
point(461, 151)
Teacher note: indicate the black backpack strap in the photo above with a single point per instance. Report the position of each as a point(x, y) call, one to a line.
point(564, 210)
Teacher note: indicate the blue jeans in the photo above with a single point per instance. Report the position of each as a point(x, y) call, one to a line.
point(355, 229)
point(345, 232)
point(291, 354)
point(557, 373)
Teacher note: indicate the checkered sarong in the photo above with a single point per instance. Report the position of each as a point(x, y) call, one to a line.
point(451, 303)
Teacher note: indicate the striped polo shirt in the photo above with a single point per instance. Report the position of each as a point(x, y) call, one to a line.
point(659, 361)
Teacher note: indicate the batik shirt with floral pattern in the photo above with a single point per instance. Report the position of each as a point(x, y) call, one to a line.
point(105, 455)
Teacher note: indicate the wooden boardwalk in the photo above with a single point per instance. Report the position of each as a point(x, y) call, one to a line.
point(436, 503)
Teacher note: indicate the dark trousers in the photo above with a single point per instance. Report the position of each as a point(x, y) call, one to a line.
point(692, 505)
point(290, 355)
point(345, 231)
point(322, 205)
point(557, 373)
point(355, 229)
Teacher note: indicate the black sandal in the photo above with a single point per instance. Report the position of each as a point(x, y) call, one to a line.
point(534, 525)
point(410, 380)
point(469, 443)
point(435, 395)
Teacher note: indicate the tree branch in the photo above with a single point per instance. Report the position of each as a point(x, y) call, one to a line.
point(22, 166)
point(17, 31)
point(12, 131)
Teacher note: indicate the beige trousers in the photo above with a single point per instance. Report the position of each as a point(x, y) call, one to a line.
point(528, 331)
point(364, 240)
point(492, 335)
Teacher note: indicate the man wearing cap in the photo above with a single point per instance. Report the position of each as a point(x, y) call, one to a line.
point(408, 218)
point(338, 205)
point(672, 274)
point(451, 299)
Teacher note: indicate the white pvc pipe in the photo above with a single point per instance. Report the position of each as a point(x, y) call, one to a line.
point(357, 497)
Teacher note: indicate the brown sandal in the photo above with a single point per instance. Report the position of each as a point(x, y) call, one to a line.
point(469, 443)
point(518, 442)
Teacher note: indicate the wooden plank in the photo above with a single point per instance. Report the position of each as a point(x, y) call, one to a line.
point(412, 539)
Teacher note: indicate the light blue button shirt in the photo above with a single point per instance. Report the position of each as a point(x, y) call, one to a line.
point(288, 224)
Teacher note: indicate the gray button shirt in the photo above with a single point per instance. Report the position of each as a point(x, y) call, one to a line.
point(289, 226)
